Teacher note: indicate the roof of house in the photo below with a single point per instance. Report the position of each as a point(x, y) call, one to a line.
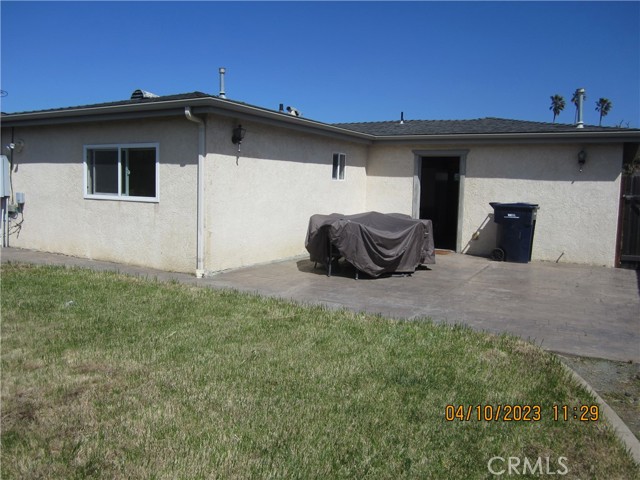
point(407, 130)
point(486, 125)
point(131, 101)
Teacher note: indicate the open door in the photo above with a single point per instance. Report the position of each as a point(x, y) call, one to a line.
point(439, 197)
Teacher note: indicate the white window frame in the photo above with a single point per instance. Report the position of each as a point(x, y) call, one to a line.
point(339, 166)
point(120, 195)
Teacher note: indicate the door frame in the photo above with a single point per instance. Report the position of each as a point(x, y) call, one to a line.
point(418, 155)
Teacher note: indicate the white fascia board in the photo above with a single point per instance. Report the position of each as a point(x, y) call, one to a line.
point(83, 113)
point(176, 108)
point(224, 107)
point(282, 121)
point(555, 137)
point(251, 113)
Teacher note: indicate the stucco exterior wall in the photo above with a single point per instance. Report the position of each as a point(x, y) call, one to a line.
point(390, 171)
point(578, 215)
point(577, 220)
point(57, 217)
point(258, 201)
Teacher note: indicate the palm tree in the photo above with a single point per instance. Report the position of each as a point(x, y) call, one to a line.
point(574, 100)
point(603, 105)
point(557, 105)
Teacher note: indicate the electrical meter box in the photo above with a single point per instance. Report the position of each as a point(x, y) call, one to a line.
point(5, 185)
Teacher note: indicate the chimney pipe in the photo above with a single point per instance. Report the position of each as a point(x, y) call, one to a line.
point(222, 71)
point(580, 102)
point(401, 118)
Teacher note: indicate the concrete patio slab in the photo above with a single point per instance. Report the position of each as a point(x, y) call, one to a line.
point(574, 309)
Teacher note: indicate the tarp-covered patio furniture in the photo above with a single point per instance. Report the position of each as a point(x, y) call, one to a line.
point(373, 242)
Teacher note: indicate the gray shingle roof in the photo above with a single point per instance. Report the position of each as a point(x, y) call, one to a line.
point(480, 126)
point(140, 101)
point(463, 127)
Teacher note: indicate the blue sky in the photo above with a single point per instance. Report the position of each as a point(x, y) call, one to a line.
point(334, 61)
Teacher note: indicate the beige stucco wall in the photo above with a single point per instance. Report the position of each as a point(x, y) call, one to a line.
point(57, 218)
point(257, 204)
point(577, 220)
point(259, 201)
point(390, 171)
point(578, 216)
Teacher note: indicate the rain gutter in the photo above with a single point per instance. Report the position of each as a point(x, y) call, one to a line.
point(242, 111)
point(583, 136)
point(168, 108)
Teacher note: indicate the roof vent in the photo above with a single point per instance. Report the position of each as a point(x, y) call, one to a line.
point(222, 71)
point(140, 94)
point(580, 101)
point(294, 111)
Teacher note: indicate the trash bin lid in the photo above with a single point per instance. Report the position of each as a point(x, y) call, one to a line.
point(515, 206)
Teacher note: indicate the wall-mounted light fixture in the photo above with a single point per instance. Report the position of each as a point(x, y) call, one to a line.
point(16, 146)
point(582, 159)
point(238, 135)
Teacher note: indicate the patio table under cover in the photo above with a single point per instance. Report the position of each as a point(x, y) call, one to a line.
point(373, 242)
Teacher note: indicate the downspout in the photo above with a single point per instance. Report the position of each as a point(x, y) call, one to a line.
point(200, 194)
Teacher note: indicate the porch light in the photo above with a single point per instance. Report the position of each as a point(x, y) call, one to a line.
point(238, 135)
point(16, 146)
point(582, 159)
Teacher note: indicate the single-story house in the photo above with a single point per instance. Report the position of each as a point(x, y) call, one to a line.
point(200, 183)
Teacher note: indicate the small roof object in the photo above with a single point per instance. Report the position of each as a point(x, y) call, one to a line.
point(140, 94)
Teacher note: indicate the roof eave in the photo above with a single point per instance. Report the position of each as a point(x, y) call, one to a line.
point(561, 137)
point(229, 108)
point(272, 117)
point(170, 108)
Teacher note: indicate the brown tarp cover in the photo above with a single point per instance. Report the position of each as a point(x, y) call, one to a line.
point(374, 243)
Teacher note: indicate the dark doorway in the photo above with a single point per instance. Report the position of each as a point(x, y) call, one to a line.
point(439, 193)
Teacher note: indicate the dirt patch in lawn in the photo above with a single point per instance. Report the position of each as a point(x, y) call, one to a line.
point(618, 383)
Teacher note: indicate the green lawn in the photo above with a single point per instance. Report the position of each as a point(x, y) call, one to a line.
point(108, 376)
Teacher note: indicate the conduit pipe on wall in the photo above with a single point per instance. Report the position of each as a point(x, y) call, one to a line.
point(200, 194)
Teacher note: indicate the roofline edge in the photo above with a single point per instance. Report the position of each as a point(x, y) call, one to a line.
point(215, 105)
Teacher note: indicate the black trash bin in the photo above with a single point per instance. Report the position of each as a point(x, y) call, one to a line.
point(516, 226)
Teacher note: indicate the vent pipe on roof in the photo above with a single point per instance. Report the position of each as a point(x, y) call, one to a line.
point(401, 118)
point(222, 71)
point(580, 93)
